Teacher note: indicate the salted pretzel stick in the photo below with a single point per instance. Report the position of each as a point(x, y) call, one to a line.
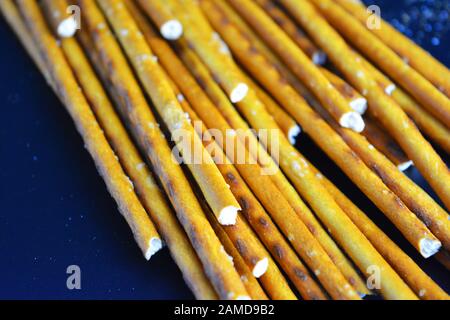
point(290, 128)
point(300, 64)
point(356, 101)
point(146, 187)
point(300, 208)
point(383, 82)
point(206, 174)
point(169, 27)
point(248, 279)
point(287, 24)
point(419, 202)
point(254, 212)
point(385, 144)
point(380, 139)
point(273, 280)
point(231, 115)
point(222, 275)
point(327, 209)
point(420, 88)
point(413, 275)
point(263, 225)
point(428, 124)
point(382, 106)
point(417, 57)
point(334, 146)
point(261, 185)
point(236, 93)
point(66, 87)
point(64, 24)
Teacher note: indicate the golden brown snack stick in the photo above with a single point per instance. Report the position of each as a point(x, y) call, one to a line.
point(197, 159)
point(286, 123)
point(300, 64)
point(383, 142)
point(261, 185)
point(300, 208)
point(222, 275)
point(419, 281)
point(268, 233)
point(418, 58)
point(356, 245)
point(418, 149)
point(233, 117)
point(383, 82)
point(334, 146)
point(62, 21)
point(262, 222)
point(248, 279)
point(356, 101)
point(428, 124)
point(169, 26)
point(420, 88)
point(146, 187)
point(273, 280)
point(66, 87)
point(372, 131)
point(204, 78)
point(417, 200)
point(288, 25)
point(342, 229)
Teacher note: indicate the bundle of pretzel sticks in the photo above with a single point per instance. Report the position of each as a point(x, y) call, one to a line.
point(146, 80)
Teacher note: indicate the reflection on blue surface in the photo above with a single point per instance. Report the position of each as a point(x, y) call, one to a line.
point(55, 210)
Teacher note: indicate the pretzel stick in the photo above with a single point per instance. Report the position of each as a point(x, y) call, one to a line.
point(255, 213)
point(261, 185)
point(300, 64)
point(383, 82)
point(222, 275)
point(420, 88)
point(247, 277)
point(418, 58)
point(418, 280)
point(300, 208)
point(206, 174)
point(66, 87)
point(333, 145)
point(381, 140)
point(169, 27)
point(64, 24)
point(356, 101)
point(431, 126)
point(385, 144)
point(385, 109)
point(290, 128)
point(281, 182)
point(297, 35)
point(329, 212)
point(146, 186)
point(412, 195)
point(273, 281)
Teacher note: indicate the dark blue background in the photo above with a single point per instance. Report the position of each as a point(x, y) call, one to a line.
point(55, 210)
